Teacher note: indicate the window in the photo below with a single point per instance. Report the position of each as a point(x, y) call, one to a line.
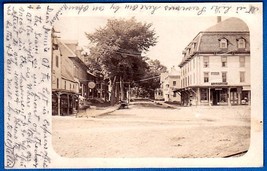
point(56, 61)
point(188, 80)
point(174, 94)
point(241, 43)
point(223, 43)
point(242, 61)
point(206, 77)
point(57, 83)
point(174, 83)
point(65, 85)
point(224, 61)
point(224, 77)
point(223, 96)
point(242, 76)
point(206, 61)
point(203, 94)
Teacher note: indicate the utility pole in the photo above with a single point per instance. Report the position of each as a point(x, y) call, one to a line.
point(121, 88)
point(129, 92)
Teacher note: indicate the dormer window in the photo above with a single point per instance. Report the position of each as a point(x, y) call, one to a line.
point(241, 43)
point(223, 43)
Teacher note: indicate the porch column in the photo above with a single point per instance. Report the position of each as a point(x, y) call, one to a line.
point(228, 96)
point(58, 104)
point(198, 96)
point(209, 97)
point(249, 97)
point(239, 96)
point(68, 106)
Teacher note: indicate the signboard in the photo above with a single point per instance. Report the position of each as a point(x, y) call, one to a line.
point(215, 77)
point(91, 85)
point(219, 83)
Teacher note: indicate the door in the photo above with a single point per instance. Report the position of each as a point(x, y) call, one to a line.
point(215, 97)
point(234, 98)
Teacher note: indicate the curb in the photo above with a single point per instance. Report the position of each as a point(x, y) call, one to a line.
point(166, 105)
point(107, 112)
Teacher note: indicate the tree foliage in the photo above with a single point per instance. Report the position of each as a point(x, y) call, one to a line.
point(152, 77)
point(116, 48)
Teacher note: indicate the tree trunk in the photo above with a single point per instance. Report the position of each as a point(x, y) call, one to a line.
point(112, 94)
point(121, 89)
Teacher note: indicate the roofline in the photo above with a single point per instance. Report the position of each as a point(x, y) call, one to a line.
point(218, 53)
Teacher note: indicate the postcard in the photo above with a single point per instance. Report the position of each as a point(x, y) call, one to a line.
point(133, 85)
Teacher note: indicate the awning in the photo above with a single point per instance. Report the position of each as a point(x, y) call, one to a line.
point(246, 88)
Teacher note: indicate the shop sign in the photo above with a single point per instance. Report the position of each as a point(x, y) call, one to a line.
point(91, 85)
point(219, 83)
point(214, 73)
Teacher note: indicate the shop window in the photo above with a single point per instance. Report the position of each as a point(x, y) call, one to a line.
point(241, 43)
point(224, 77)
point(206, 77)
point(244, 97)
point(223, 43)
point(242, 77)
point(206, 61)
point(242, 61)
point(204, 94)
point(224, 61)
point(223, 96)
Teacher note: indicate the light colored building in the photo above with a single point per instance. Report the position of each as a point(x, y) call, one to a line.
point(70, 78)
point(170, 82)
point(215, 69)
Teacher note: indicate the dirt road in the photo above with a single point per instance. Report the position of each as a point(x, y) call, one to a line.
point(146, 130)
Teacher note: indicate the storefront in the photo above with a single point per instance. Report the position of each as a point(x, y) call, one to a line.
point(215, 95)
point(64, 103)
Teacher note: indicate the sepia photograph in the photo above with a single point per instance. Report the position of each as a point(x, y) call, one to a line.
point(133, 85)
point(174, 87)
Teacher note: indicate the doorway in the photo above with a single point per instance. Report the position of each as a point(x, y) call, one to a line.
point(215, 97)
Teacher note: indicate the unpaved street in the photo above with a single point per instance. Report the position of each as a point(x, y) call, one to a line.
point(147, 130)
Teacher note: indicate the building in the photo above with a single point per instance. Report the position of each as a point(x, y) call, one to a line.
point(158, 94)
point(215, 68)
point(70, 78)
point(170, 82)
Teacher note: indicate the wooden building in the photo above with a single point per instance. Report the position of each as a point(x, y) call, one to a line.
point(215, 68)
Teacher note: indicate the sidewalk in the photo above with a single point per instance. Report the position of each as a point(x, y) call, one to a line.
point(94, 111)
point(166, 105)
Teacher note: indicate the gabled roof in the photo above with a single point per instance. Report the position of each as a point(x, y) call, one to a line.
point(69, 51)
point(65, 73)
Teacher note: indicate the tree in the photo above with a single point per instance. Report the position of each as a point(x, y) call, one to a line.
point(117, 49)
point(151, 79)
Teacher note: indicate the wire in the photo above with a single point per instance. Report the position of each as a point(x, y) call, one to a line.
point(147, 78)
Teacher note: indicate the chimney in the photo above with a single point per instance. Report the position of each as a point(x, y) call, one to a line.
point(219, 19)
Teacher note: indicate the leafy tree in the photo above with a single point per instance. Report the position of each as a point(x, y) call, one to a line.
point(116, 50)
point(151, 79)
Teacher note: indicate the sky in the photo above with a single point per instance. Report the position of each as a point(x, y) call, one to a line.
point(174, 33)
